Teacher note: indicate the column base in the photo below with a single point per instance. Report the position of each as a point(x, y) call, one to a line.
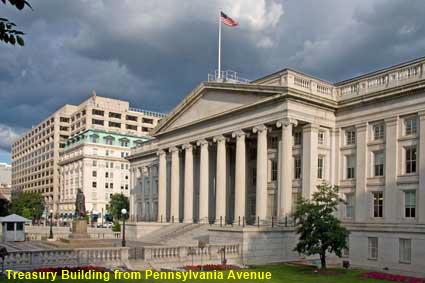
point(188, 221)
point(204, 220)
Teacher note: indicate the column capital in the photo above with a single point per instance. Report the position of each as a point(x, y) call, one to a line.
point(219, 139)
point(161, 152)
point(173, 149)
point(286, 122)
point(202, 143)
point(239, 134)
point(187, 146)
point(259, 129)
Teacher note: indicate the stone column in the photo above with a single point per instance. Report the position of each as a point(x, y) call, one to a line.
point(203, 182)
point(162, 186)
point(188, 184)
point(309, 159)
point(220, 206)
point(286, 166)
point(261, 192)
point(175, 184)
point(421, 169)
point(391, 212)
point(361, 214)
point(240, 176)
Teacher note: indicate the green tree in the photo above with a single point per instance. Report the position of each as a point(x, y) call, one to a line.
point(116, 204)
point(8, 33)
point(4, 207)
point(28, 204)
point(319, 230)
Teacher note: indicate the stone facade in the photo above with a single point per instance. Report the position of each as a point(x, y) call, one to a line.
point(94, 161)
point(243, 153)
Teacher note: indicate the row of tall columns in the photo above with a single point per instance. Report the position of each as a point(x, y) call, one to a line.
point(285, 186)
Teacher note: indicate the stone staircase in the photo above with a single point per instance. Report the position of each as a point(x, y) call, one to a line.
point(177, 234)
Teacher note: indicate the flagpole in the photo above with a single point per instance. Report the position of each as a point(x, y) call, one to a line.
point(219, 46)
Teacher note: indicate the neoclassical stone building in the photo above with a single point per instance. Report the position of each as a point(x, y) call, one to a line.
point(242, 153)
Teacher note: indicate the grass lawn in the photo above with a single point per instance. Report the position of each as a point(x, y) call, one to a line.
point(280, 273)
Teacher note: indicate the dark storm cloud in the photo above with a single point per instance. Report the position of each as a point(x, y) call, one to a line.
point(153, 53)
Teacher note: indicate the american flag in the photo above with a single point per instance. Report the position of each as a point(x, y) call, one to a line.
point(227, 20)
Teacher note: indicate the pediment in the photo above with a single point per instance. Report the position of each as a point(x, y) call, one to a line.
point(209, 102)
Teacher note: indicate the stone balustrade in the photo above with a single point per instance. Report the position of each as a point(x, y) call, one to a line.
point(367, 84)
point(182, 254)
point(27, 260)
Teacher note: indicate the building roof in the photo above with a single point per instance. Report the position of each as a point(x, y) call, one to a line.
point(14, 218)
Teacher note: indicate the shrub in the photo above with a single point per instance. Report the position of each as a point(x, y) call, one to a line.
point(116, 227)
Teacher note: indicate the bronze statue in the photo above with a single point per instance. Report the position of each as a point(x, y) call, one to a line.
point(80, 205)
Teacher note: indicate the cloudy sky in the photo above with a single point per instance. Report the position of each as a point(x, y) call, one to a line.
point(153, 52)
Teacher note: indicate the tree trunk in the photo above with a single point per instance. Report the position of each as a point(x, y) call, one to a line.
point(323, 260)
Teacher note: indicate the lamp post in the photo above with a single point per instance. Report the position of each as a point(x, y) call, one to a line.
point(123, 212)
point(51, 224)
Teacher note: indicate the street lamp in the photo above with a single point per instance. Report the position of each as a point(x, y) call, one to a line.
point(123, 212)
point(51, 224)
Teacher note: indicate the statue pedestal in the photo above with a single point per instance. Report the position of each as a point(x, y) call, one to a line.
point(79, 229)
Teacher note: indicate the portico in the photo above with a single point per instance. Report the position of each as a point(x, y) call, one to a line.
point(226, 156)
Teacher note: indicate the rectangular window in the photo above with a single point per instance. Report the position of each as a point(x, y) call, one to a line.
point(320, 166)
point(351, 166)
point(410, 204)
point(378, 159)
point(297, 167)
point(349, 207)
point(111, 185)
point(350, 137)
point(94, 184)
point(131, 118)
point(147, 120)
point(410, 159)
point(94, 173)
point(114, 124)
point(378, 132)
point(97, 122)
point(405, 251)
point(297, 138)
point(378, 204)
point(106, 185)
point(114, 115)
point(274, 170)
point(131, 127)
point(410, 126)
point(106, 175)
point(321, 137)
point(373, 248)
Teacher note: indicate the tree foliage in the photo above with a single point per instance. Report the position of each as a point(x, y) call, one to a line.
point(28, 204)
point(116, 203)
point(8, 32)
point(319, 230)
point(4, 207)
